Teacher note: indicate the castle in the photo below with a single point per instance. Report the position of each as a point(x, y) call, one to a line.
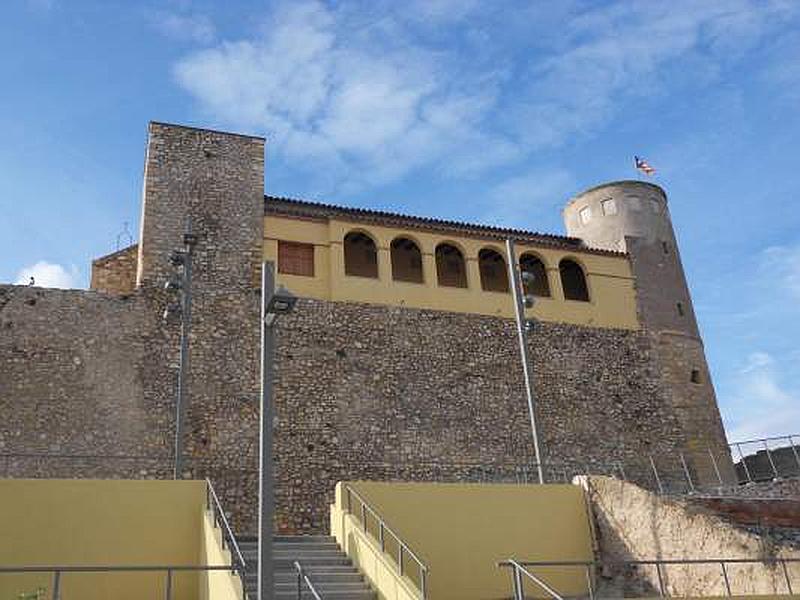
point(400, 360)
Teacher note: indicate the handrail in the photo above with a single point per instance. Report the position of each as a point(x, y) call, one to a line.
point(589, 565)
point(789, 436)
point(302, 577)
point(519, 590)
point(58, 570)
point(383, 528)
point(215, 507)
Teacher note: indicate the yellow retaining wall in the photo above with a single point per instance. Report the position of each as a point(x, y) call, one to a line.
point(94, 522)
point(609, 277)
point(461, 531)
point(217, 585)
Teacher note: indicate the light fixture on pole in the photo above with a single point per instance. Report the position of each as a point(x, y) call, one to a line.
point(273, 303)
point(519, 281)
point(180, 282)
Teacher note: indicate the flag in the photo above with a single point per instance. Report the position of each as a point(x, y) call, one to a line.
point(643, 165)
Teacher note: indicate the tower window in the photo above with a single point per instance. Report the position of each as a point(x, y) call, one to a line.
point(655, 205)
point(573, 281)
point(695, 376)
point(360, 255)
point(609, 206)
point(665, 247)
point(585, 214)
point(295, 258)
point(494, 276)
point(679, 306)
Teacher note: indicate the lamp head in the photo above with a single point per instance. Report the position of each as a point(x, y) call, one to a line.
point(171, 312)
point(173, 284)
point(282, 302)
point(177, 258)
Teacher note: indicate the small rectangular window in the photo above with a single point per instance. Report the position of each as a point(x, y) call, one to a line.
point(665, 247)
point(680, 308)
point(609, 206)
point(695, 377)
point(586, 214)
point(295, 258)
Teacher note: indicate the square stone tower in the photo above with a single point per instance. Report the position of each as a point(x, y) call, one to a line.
point(215, 179)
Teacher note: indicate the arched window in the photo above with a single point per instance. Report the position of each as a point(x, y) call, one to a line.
point(494, 277)
point(360, 255)
point(529, 263)
point(573, 281)
point(451, 271)
point(406, 261)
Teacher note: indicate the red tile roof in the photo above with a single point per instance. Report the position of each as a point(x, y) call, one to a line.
point(277, 205)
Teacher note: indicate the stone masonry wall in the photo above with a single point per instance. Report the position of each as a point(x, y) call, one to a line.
point(361, 392)
point(115, 273)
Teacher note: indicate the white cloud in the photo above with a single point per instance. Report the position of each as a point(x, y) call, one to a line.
point(514, 201)
point(50, 275)
point(374, 93)
point(361, 98)
point(186, 27)
point(764, 406)
point(781, 265)
point(618, 54)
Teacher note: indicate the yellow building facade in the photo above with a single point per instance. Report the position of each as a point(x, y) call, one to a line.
point(317, 235)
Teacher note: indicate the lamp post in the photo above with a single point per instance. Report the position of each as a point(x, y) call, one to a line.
point(516, 280)
point(181, 283)
point(273, 303)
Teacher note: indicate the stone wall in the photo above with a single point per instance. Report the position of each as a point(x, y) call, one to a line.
point(115, 273)
point(634, 524)
point(362, 391)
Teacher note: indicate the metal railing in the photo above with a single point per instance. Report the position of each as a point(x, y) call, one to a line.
point(303, 578)
point(763, 459)
point(519, 585)
point(383, 530)
point(59, 571)
point(218, 515)
point(524, 568)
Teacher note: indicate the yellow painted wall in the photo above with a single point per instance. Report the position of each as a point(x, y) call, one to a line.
point(461, 531)
point(94, 522)
point(610, 281)
point(216, 585)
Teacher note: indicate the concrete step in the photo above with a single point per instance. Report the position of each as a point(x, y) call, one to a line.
point(321, 570)
point(330, 570)
point(281, 539)
point(362, 595)
point(303, 554)
point(343, 576)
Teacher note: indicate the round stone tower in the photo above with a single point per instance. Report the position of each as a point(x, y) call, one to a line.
point(633, 217)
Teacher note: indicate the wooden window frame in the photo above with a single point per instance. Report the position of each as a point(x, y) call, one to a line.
point(287, 261)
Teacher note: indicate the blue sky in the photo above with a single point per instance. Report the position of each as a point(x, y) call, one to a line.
point(488, 111)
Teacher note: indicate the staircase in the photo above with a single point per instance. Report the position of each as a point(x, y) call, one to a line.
point(328, 568)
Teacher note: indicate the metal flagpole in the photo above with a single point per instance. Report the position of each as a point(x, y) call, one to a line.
point(515, 283)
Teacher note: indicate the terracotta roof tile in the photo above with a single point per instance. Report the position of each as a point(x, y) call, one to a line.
point(294, 207)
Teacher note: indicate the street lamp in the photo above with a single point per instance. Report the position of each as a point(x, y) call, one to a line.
point(273, 303)
point(180, 282)
point(519, 281)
